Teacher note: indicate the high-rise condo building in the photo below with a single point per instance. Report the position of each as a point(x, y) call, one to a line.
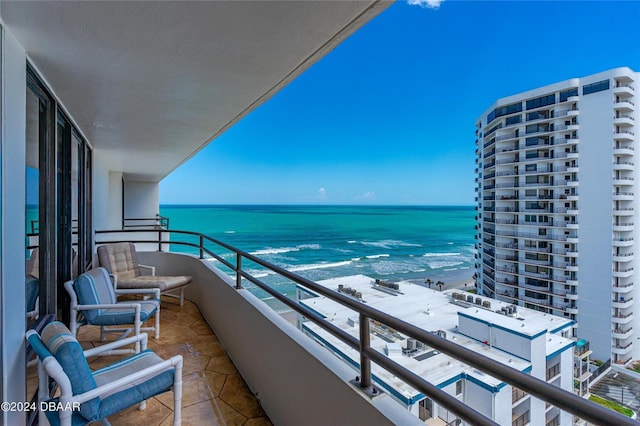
point(556, 206)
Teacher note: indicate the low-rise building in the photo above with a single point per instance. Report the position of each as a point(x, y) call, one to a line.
point(524, 339)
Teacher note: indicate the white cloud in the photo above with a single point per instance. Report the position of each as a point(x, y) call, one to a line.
point(322, 194)
point(368, 196)
point(431, 4)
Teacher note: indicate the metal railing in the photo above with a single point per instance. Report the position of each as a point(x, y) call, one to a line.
point(157, 221)
point(562, 399)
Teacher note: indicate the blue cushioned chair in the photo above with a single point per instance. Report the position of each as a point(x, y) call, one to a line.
point(87, 396)
point(94, 301)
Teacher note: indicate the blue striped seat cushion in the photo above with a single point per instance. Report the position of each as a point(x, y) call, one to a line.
point(124, 316)
point(68, 352)
point(136, 392)
point(94, 287)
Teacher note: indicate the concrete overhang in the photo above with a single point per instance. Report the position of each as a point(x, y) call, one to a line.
point(151, 83)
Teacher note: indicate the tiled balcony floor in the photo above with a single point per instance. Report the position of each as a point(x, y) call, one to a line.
point(213, 393)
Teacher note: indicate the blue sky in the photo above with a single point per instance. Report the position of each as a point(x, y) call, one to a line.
point(388, 116)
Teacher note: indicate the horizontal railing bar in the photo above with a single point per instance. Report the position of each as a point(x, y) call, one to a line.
point(558, 397)
point(183, 243)
point(307, 312)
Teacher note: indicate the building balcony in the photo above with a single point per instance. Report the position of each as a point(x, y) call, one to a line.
point(623, 90)
point(627, 211)
point(623, 181)
point(622, 288)
point(622, 348)
point(624, 165)
point(623, 242)
point(624, 120)
point(622, 302)
point(214, 392)
point(622, 318)
point(624, 105)
point(623, 196)
point(623, 227)
point(627, 150)
point(623, 272)
point(622, 333)
point(622, 257)
point(623, 135)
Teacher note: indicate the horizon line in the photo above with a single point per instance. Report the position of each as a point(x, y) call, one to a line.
point(316, 205)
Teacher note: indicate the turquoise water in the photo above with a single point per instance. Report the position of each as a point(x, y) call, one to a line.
point(320, 242)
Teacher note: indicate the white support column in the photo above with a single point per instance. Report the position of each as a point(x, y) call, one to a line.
point(12, 250)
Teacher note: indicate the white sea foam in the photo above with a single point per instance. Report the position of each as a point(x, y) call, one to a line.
point(440, 254)
point(229, 232)
point(443, 264)
point(389, 243)
point(281, 250)
point(318, 266)
point(376, 256)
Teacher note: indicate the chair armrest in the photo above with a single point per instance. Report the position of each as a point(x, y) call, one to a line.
point(146, 372)
point(114, 280)
point(109, 306)
point(154, 291)
point(152, 269)
point(117, 344)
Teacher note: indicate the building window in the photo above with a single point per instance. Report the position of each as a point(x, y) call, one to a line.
point(568, 93)
point(425, 409)
point(459, 388)
point(541, 101)
point(598, 86)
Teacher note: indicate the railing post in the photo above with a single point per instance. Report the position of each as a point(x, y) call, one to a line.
point(159, 240)
point(365, 362)
point(238, 270)
point(201, 247)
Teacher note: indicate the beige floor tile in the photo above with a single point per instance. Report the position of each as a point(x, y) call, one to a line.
point(154, 414)
point(237, 394)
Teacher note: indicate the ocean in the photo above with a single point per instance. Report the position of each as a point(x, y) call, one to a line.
point(321, 242)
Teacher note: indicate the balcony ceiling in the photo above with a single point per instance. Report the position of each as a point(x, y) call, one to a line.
point(151, 83)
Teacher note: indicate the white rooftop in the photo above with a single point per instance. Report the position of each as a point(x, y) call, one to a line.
point(431, 310)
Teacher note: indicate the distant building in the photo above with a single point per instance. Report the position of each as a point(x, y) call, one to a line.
point(556, 174)
point(527, 340)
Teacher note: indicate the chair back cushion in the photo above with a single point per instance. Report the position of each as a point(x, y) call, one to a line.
point(33, 264)
point(94, 287)
point(120, 259)
point(31, 289)
point(68, 352)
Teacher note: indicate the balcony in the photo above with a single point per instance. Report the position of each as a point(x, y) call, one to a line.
point(623, 135)
point(624, 120)
point(623, 90)
point(553, 372)
point(622, 333)
point(623, 227)
point(623, 105)
point(623, 150)
point(276, 346)
point(622, 257)
point(623, 242)
point(623, 196)
point(623, 165)
point(623, 272)
point(622, 348)
point(622, 302)
point(622, 318)
point(213, 390)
